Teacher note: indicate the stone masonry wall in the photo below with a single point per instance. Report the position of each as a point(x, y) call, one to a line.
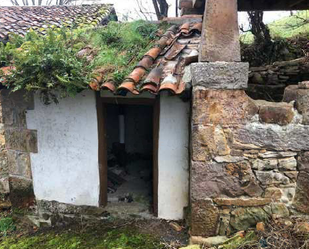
point(16, 143)
point(249, 159)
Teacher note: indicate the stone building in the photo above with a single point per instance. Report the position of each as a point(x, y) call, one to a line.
point(183, 119)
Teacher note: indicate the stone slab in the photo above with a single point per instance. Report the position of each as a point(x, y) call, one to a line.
point(21, 140)
point(243, 202)
point(220, 75)
point(213, 180)
point(223, 107)
point(301, 199)
point(204, 218)
point(272, 137)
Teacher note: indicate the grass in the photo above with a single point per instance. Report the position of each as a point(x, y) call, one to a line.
point(286, 27)
point(6, 225)
point(113, 239)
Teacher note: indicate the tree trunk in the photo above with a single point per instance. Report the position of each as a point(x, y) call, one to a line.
point(258, 28)
point(161, 8)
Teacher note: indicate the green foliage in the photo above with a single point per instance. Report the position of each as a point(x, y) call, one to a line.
point(6, 225)
point(286, 27)
point(49, 64)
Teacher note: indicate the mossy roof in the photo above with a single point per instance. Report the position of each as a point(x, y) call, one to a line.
point(20, 19)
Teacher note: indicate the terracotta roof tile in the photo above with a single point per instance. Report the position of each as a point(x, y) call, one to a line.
point(19, 19)
point(162, 67)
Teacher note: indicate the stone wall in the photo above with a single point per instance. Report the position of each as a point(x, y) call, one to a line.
point(249, 159)
point(16, 143)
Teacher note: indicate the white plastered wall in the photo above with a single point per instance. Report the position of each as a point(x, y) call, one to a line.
point(65, 169)
point(173, 192)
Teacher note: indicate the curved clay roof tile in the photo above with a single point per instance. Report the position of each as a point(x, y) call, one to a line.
point(154, 52)
point(137, 74)
point(185, 28)
point(146, 62)
point(197, 27)
point(154, 76)
point(108, 86)
point(127, 86)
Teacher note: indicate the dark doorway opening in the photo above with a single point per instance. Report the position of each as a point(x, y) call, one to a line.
point(128, 162)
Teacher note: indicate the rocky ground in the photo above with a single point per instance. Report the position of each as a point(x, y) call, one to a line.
point(18, 233)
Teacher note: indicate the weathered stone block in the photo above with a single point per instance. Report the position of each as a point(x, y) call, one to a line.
point(4, 185)
point(279, 210)
point(290, 93)
point(266, 164)
point(302, 104)
point(292, 175)
point(220, 36)
point(274, 193)
point(275, 113)
point(270, 178)
point(303, 85)
point(289, 192)
point(21, 140)
point(244, 218)
point(242, 202)
point(272, 137)
point(211, 180)
point(204, 218)
point(288, 164)
point(301, 199)
point(220, 75)
point(4, 166)
point(224, 107)
point(277, 154)
point(303, 161)
point(208, 141)
point(19, 163)
point(21, 192)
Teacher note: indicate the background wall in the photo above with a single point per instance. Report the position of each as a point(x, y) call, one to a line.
point(173, 157)
point(138, 131)
point(65, 169)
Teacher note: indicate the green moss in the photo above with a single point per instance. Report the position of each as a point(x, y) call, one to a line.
point(115, 239)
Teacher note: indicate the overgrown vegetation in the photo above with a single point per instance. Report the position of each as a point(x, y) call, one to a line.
point(50, 64)
point(289, 38)
point(6, 225)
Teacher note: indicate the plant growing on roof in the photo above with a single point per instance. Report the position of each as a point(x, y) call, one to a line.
point(48, 64)
point(52, 65)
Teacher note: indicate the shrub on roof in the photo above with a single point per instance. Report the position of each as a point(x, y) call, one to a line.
point(51, 64)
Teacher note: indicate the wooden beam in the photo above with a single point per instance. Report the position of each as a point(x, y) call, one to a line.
point(271, 5)
point(101, 114)
point(220, 34)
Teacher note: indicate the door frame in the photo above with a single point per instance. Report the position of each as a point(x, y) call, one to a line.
point(102, 153)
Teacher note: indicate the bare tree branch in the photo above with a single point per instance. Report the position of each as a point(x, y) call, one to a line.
point(40, 2)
